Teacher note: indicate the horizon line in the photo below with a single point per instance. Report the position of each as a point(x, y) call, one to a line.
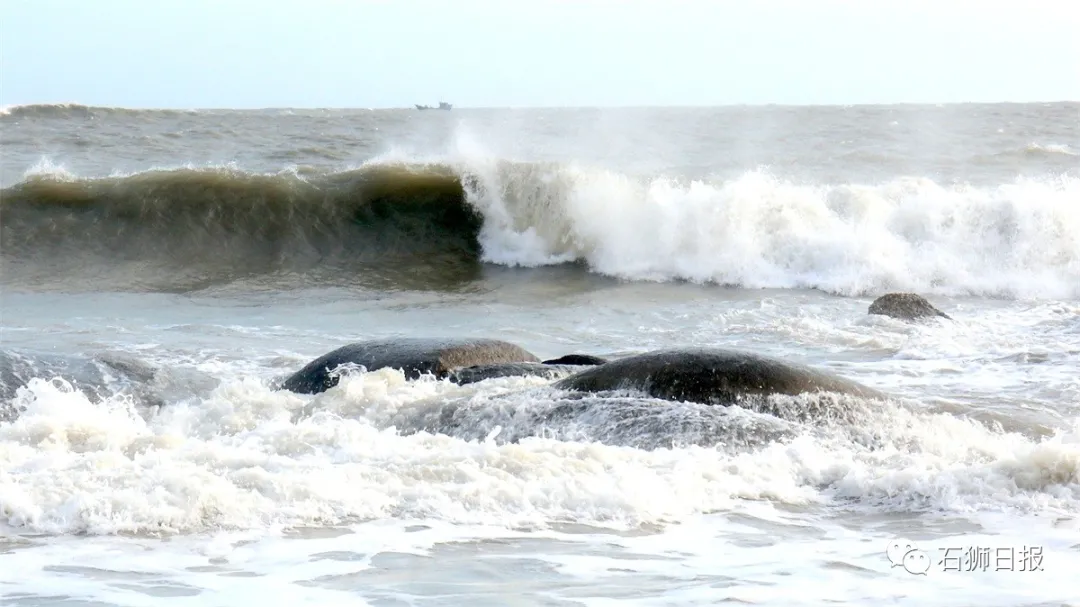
point(6, 108)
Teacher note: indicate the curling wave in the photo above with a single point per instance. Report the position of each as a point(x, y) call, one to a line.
point(434, 223)
point(186, 227)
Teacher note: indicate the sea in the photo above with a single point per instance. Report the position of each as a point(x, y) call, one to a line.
point(162, 270)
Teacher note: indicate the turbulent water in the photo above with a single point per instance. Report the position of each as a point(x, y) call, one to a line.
point(163, 269)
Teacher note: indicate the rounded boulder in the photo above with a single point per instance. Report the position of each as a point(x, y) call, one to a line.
point(413, 356)
point(709, 376)
point(905, 306)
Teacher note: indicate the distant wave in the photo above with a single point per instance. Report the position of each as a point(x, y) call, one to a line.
point(75, 110)
point(1047, 155)
point(182, 228)
point(1052, 149)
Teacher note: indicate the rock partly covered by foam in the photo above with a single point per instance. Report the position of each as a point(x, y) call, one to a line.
point(709, 376)
point(905, 306)
point(413, 356)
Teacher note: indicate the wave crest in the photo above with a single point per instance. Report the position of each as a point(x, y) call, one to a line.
point(1018, 239)
point(181, 228)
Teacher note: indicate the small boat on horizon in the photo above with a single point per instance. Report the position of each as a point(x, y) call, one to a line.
point(442, 106)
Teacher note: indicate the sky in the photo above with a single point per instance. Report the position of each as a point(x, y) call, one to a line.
point(529, 53)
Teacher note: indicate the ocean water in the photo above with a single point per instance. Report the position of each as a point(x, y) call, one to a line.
point(162, 269)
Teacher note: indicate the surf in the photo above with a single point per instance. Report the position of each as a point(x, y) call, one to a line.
point(436, 224)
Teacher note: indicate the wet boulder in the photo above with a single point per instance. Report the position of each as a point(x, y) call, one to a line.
point(576, 359)
point(413, 356)
point(905, 306)
point(710, 376)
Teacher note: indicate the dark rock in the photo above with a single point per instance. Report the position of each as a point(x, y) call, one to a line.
point(414, 356)
point(905, 306)
point(576, 359)
point(470, 375)
point(709, 376)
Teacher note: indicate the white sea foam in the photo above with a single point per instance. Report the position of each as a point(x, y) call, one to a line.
point(231, 472)
point(249, 457)
point(46, 167)
point(1019, 239)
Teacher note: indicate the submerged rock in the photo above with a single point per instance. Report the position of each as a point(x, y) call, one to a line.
point(905, 306)
point(576, 359)
point(414, 356)
point(709, 376)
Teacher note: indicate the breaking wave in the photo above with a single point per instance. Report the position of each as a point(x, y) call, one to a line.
point(183, 228)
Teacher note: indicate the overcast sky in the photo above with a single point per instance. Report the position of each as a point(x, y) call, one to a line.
point(321, 53)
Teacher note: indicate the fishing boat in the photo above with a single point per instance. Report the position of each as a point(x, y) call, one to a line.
point(442, 106)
